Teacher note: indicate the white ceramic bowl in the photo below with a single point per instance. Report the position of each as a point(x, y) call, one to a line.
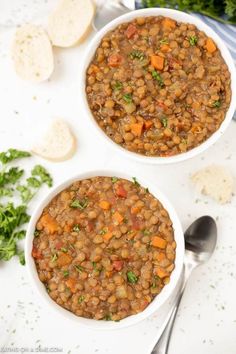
point(178, 16)
point(160, 299)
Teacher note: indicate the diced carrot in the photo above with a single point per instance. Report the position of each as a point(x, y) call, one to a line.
point(63, 259)
point(165, 48)
point(67, 228)
point(118, 265)
point(161, 272)
point(120, 191)
point(148, 124)
point(118, 218)
point(157, 62)
point(107, 236)
point(49, 223)
point(135, 210)
point(160, 256)
point(168, 23)
point(136, 128)
point(210, 45)
point(115, 60)
point(71, 283)
point(105, 205)
point(158, 242)
point(36, 253)
point(131, 31)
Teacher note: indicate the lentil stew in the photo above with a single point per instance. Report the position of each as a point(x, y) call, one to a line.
point(104, 248)
point(158, 87)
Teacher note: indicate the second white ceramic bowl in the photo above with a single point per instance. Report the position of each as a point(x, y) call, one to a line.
point(159, 300)
point(181, 17)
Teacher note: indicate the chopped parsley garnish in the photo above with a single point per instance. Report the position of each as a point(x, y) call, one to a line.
point(12, 154)
point(81, 204)
point(127, 98)
point(63, 249)
point(13, 217)
point(137, 54)
point(66, 273)
point(117, 86)
point(156, 76)
point(102, 232)
point(36, 233)
point(81, 299)
point(135, 182)
point(164, 41)
point(107, 317)
point(42, 175)
point(193, 40)
point(54, 257)
point(79, 268)
point(132, 278)
point(76, 228)
point(146, 232)
point(216, 104)
point(114, 179)
point(146, 190)
point(164, 121)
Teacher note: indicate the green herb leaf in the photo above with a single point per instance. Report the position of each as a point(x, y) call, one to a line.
point(81, 299)
point(127, 98)
point(164, 121)
point(21, 256)
point(26, 193)
point(216, 104)
point(54, 257)
point(146, 232)
point(12, 154)
point(137, 54)
point(36, 233)
point(164, 41)
point(102, 232)
point(114, 179)
point(6, 192)
point(107, 317)
point(81, 204)
point(132, 278)
point(66, 273)
point(76, 228)
point(156, 76)
point(11, 176)
point(135, 182)
point(63, 249)
point(146, 190)
point(193, 40)
point(34, 182)
point(42, 173)
point(79, 268)
point(117, 86)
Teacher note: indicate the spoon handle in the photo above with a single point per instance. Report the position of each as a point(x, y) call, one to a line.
point(163, 343)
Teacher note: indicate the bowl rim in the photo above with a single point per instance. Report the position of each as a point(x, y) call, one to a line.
point(158, 301)
point(178, 16)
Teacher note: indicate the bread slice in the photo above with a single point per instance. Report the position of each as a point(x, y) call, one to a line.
point(216, 182)
point(70, 22)
point(59, 143)
point(32, 53)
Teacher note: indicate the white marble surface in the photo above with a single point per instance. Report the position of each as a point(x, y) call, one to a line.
point(206, 323)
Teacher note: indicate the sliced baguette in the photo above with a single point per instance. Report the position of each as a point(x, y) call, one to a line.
point(59, 143)
point(32, 53)
point(216, 182)
point(70, 22)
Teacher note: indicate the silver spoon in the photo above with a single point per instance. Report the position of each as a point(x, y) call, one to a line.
point(110, 9)
point(200, 242)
